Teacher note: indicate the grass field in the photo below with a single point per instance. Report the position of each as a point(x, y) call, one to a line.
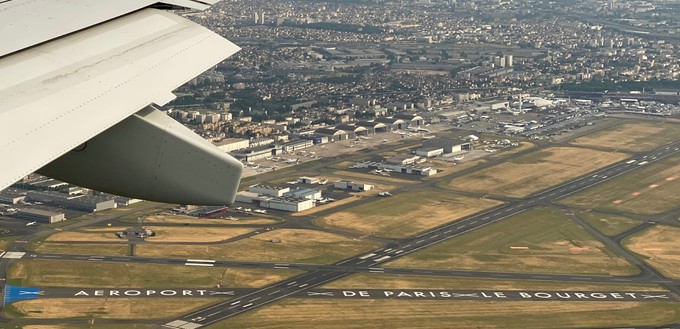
point(329, 314)
point(295, 245)
point(121, 275)
point(194, 234)
point(116, 248)
point(107, 308)
point(406, 214)
point(535, 171)
point(652, 189)
point(633, 136)
point(87, 325)
point(541, 240)
point(447, 168)
point(609, 224)
point(90, 234)
point(395, 281)
point(182, 219)
point(6, 241)
point(658, 246)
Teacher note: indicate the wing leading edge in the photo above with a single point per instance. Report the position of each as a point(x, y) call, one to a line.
point(61, 93)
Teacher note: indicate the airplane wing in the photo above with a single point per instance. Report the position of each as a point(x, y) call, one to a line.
point(80, 86)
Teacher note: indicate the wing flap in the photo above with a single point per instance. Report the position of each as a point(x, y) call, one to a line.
point(70, 91)
point(50, 19)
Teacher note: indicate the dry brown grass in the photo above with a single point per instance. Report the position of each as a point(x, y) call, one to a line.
point(89, 274)
point(535, 171)
point(296, 245)
point(194, 234)
point(303, 314)
point(107, 234)
point(651, 189)
point(633, 136)
point(109, 308)
point(407, 213)
point(448, 168)
point(659, 246)
point(395, 281)
point(553, 243)
point(111, 249)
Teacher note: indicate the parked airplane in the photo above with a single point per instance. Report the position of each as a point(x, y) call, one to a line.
point(31, 223)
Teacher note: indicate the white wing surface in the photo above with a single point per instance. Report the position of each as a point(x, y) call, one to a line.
point(70, 70)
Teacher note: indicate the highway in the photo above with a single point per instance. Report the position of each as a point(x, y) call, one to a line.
point(371, 261)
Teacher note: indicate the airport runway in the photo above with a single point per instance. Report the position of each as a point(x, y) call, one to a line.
point(351, 269)
point(373, 260)
point(23, 293)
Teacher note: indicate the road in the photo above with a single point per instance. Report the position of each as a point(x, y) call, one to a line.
point(371, 261)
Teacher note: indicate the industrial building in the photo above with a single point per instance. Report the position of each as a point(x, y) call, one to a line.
point(41, 216)
point(232, 144)
point(257, 153)
point(295, 146)
point(11, 196)
point(75, 202)
point(448, 146)
point(350, 185)
point(403, 160)
point(278, 203)
point(277, 191)
point(398, 168)
point(430, 152)
point(304, 193)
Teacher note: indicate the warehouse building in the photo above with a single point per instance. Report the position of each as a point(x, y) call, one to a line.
point(332, 134)
point(449, 146)
point(276, 191)
point(295, 146)
point(257, 153)
point(277, 203)
point(304, 193)
point(232, 144)
point(74, 202)
point(353, 130)
point(403, 160)
point(41, 216)
point(11, 196)
point(398, 168)
point(373, 127)
point(430, 152)
point(350, 185)
point(410, 120)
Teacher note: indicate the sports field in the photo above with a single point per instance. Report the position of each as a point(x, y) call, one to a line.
point(406, 214)
point(542, 240)
point(633, 136)
point(652, 189)
point(535, 171)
